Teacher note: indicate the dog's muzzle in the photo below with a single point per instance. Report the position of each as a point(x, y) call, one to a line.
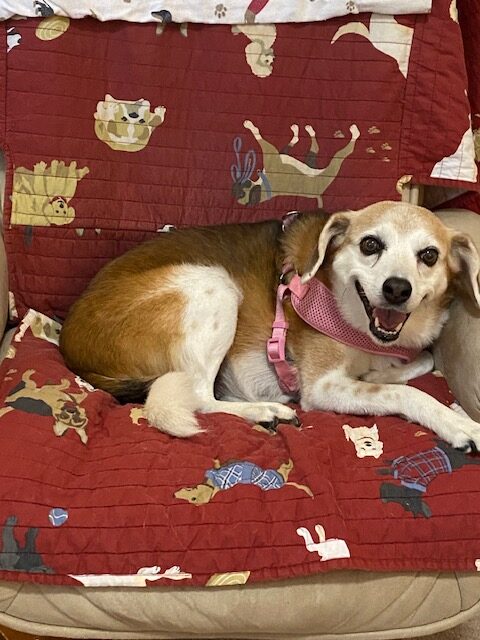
point(385, 324)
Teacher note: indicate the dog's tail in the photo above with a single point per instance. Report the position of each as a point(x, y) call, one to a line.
point(171, 403)
point(170, 400)
point(124, 390)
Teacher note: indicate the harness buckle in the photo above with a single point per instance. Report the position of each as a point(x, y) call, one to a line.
point(276, 350)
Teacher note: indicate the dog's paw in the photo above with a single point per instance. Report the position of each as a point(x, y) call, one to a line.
point(270, 414)
point(271, 425)
point(466, 438)
point(471, 447)
point(355, 131)
point(248, 124)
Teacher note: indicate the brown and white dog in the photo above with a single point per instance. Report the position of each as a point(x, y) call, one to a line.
point(185, 318)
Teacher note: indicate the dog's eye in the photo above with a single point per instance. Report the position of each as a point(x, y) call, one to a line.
point(428, 256)
point(142, 121)
point(371, 245)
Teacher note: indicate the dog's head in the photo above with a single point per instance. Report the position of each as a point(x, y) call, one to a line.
point(127, 124)
point(260, 58)
point(365, 439)
point(70, 414)
point(393, 269)
point(58, 212)
point(201, 494)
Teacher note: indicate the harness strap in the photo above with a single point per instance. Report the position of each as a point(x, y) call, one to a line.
point(276, 346)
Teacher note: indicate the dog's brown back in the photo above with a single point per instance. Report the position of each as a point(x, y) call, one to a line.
point(119, 335)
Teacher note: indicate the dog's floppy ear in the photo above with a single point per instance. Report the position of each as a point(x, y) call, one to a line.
point(465, 264)
point(348, 431)
point(332, 234)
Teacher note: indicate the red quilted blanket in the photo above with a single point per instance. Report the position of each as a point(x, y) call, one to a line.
point(115, 131)
point(91, 494)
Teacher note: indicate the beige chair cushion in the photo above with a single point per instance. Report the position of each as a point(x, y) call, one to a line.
point(343, 605)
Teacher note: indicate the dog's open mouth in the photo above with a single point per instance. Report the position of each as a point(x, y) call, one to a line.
point(385, 324)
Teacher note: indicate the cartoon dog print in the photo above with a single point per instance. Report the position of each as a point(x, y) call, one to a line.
point(50, 400)
point(13, 557)
point(253, 9)
point(41, 197)
point(41, 327)
point(225, 476)
point(126, 125)
point(259, 51)
point(282, 174)
point(330, 549)
point(365, 440)
point(165, 17)
point(476, 144)
point(416, 471)
point(46, 329)
point(386, 35)
point(13, 38)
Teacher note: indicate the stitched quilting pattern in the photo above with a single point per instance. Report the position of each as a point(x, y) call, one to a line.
point(92, 495)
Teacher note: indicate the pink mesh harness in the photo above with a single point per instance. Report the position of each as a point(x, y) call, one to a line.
point(315, 304)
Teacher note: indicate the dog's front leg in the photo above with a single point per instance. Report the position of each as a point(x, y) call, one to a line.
point(335, 391)
point(402, 373)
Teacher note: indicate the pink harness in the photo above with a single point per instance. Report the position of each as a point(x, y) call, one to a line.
point(315, 304)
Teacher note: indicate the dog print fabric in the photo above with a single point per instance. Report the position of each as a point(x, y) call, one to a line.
point(131, 506)
point(168, 125)
point(469, 20)
point(41, 196)
point(212, 11)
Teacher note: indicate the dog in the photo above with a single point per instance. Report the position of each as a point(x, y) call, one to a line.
point(50, 400)
point(259, 51)
point(283, 174)
point(126, 125)
point(41, 197)
point(228, 475)
point(416, 471)
point(185, 318)
point(365, 440)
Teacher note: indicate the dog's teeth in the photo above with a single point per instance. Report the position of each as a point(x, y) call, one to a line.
point(398, 327)
point(377, 323)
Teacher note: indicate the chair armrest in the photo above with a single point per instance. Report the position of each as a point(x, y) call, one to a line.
point(457, 351)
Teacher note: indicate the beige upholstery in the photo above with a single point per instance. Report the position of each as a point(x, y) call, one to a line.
point(457, 352)
point(340, 605)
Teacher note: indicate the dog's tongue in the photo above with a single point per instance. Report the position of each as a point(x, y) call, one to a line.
point(389, 318)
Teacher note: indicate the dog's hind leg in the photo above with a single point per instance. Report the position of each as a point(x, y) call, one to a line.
point(311, 157)
point(287, 148)
point(269, 151)
point(329, 173)
point(209, 324)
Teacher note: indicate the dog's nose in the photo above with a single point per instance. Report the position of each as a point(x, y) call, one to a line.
point(133, 115)
point(396, 290)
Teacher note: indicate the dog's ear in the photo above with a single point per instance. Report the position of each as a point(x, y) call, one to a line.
point(347, 430)
point(254, 195)
point(332, 234)
point(465, 264)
